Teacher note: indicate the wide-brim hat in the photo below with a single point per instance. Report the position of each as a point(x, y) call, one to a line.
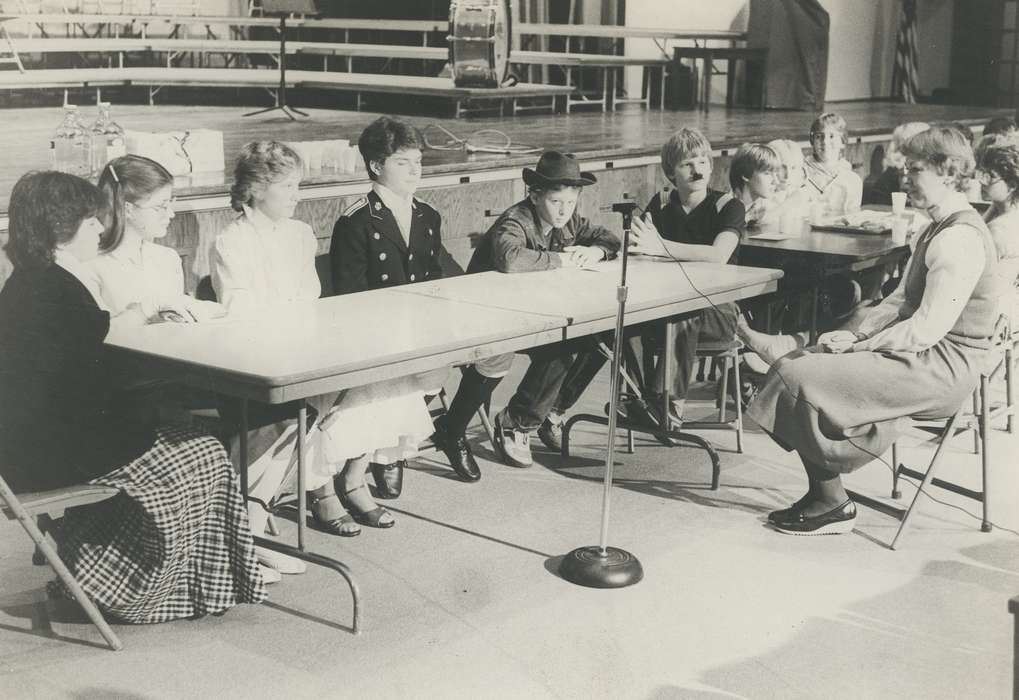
point(557, 169)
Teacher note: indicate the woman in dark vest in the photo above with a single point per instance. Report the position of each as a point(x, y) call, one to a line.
point(175, 541)
point(917, 354)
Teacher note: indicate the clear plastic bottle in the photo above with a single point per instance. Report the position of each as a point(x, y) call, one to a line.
point(71, 144)
point(107, 140)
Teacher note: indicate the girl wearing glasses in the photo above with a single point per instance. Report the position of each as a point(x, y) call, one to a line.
point(131, 266)
point(998, 174)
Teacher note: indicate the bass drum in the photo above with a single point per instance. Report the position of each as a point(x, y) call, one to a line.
point(479, 42)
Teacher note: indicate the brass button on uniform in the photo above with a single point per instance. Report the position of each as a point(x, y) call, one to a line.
point(411, 256)
point(382, 256)
point(385, 277)
point(376, 236)
point(412, 278)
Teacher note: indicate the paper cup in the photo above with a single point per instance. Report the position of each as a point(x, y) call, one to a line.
point(898, 202)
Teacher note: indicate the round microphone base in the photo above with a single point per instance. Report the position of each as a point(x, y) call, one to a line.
point(597, 568)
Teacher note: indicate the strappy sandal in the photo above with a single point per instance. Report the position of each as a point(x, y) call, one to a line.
point(341, 526)
point(371, 518)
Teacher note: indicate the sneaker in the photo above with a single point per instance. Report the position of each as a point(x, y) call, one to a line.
point(269, 575)
point(514, 446)
point(551, 431)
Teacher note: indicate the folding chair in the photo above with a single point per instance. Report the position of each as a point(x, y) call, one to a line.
point(727, 354)
point(49, 506)
point(1003, 343)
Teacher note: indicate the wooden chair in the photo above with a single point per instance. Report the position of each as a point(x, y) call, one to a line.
point(48, 506)
point(726, 355)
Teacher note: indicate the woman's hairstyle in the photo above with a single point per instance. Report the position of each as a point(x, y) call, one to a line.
point(1003, 161)
point(945, 148)
point(682, 145)
point(1000, 125)
point(966, 132)
point(384, 137)
point(830, 119)
point(751, 158)
point(893, 156)
point(127, 179)
point(260, 164)
point(992, 141)
point(46, 209)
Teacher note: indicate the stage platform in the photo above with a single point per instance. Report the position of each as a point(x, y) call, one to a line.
point(621, 147)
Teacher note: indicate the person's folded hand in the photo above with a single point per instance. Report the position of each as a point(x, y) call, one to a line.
point(645, 239)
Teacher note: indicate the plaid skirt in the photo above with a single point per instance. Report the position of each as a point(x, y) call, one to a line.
point(840, 412)
point(175, 543)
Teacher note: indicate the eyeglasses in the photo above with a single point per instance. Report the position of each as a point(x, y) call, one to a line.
point(166, 207)
point(988, 179)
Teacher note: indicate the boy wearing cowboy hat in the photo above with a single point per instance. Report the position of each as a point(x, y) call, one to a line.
point(542, 232)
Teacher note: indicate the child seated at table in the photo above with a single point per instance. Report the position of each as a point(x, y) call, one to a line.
point(754, 176)
point(890, 180)
point(998, 173)
point(792, 194)
point(829, 174)
point(691, 223)
point(541, 232)
point(389, 238)
point(132, 269)
point(264, 258)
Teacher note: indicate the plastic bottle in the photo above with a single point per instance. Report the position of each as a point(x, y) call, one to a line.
point(107, 140)
point(71, 144)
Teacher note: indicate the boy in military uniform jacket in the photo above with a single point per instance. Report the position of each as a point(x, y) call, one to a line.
point(389, 238)
point(542, 232)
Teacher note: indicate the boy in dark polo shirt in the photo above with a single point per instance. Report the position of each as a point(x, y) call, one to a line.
point(689, 223)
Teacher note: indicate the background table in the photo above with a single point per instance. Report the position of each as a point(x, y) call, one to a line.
point(810, 258)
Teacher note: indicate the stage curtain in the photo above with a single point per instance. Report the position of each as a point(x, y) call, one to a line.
point(796, 35)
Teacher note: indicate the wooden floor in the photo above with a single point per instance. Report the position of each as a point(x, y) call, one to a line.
point(633, 132)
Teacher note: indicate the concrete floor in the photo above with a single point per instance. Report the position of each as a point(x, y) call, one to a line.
point(462, 600)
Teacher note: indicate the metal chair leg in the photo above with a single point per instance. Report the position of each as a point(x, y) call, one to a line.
point(982, 432)
point(739, 405)
point(976, 415)
point(896, 493)
point(928, 477)
point(63, 573)
point(1010, 388)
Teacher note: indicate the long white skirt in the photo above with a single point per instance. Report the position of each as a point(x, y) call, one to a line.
point(386, 421)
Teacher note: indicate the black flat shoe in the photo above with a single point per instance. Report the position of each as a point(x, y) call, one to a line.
point(388, 478)
point(837, 521)
point(458, 452)
point(776, 515)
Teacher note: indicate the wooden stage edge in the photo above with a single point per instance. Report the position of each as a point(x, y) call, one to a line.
point(621, 148)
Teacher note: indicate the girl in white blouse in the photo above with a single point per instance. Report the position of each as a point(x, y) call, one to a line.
point(265, 257)
point(134, 271)
point(131, 268)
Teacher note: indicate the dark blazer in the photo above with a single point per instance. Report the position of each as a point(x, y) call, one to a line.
point(58, 423)
point(515, 243)
point(368, 250)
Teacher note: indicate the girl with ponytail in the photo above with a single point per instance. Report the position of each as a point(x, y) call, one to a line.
point(131, 268)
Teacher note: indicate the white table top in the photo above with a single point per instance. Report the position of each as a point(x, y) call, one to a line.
point(657, 288)
point(305, 349)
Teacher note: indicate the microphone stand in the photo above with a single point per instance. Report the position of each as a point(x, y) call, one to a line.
point(602, 566)
point(281, 94)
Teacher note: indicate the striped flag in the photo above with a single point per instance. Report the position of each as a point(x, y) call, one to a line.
point(904, 80)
